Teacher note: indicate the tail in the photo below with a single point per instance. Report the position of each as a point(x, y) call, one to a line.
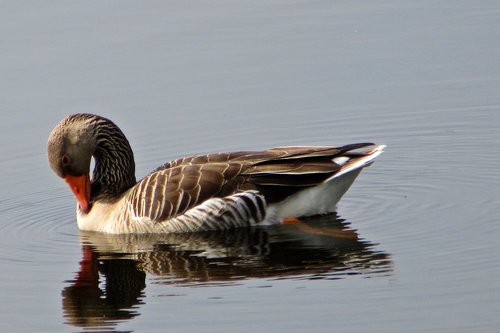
point(286, 170)
point(346, 164)
point(356, 158)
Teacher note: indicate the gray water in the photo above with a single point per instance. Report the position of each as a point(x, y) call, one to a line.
point(414, 244)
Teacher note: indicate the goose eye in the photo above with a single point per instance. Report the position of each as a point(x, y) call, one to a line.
point(65, 160)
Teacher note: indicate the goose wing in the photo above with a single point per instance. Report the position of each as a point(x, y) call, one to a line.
point(170, 192)
point(177, 186)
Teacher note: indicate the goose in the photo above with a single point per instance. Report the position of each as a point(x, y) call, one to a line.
point(197, 193)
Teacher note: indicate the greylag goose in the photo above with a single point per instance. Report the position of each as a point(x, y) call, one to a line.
point(196, 193)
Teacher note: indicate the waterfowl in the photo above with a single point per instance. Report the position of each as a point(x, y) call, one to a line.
point(196, 193)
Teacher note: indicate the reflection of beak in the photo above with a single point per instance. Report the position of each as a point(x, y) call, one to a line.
point(80, 185)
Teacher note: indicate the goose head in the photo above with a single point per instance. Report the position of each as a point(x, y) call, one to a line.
point(71, 146)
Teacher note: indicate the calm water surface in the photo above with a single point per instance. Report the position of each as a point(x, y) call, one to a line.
point(414, 244)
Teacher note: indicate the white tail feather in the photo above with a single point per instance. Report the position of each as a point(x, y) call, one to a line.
point(360, 162)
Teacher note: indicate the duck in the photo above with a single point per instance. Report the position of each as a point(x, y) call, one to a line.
point(215, 191)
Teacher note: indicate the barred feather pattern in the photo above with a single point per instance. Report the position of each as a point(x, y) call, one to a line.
point(237, 210)
point(167, 193)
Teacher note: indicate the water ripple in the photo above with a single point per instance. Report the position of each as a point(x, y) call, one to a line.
point(36, 227)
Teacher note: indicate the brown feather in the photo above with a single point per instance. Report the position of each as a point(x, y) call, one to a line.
point(277, 173)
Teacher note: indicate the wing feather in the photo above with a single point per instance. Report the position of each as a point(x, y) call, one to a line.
point(179, 185)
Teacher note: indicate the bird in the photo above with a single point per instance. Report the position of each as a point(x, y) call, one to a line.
point(215, 191)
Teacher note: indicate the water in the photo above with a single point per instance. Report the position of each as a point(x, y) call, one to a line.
point(414, 242)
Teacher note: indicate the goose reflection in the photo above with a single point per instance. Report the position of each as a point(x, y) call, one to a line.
point(109, 285)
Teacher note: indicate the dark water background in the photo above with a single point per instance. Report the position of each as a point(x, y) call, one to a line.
point(415, 243)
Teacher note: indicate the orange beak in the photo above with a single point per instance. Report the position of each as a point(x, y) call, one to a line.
point(80, 185)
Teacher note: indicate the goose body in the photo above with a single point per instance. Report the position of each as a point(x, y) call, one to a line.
point(197, 193)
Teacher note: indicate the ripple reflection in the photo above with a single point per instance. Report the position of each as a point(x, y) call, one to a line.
point(322, 247)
